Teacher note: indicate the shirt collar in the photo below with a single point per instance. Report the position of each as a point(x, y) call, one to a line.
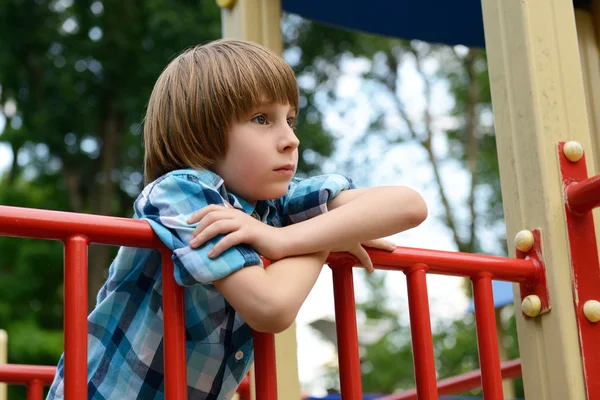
point(210, 178)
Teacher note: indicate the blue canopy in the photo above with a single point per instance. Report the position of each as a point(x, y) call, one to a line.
point(437, 21)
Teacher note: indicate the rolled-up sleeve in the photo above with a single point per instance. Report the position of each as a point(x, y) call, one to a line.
point(307, 198)
point(167, 206)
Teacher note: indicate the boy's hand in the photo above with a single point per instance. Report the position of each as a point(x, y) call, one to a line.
point(238, 227)
point(358, 251)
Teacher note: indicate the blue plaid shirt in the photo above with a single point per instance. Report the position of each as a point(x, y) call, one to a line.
point(125, 330)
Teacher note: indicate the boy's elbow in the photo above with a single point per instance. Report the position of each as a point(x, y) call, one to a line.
point(420, 212)
point(416, 211)
point(273, 318)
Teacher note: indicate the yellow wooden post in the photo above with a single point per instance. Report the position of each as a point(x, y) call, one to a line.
point(590, 64)
point(260, 22)
point(3, 359)
point(538, 98)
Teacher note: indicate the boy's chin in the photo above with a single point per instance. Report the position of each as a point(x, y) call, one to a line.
point(274, 193)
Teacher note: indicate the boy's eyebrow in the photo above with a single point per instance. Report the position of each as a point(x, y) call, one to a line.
point(269, 104)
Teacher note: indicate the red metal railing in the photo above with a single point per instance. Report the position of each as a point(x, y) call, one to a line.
point(76, 231)
point(416, 263)
point(34, 377)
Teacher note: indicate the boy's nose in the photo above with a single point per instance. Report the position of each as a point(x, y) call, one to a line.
point(289, 140)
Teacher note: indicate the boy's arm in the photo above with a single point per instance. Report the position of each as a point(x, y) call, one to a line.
point(356, 216)
point(269, 299)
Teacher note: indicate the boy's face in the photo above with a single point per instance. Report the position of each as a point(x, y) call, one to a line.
point(262, 153)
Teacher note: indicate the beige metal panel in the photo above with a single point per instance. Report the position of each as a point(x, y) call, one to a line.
point(3, 359)
point(538, 98)
point(260, 22)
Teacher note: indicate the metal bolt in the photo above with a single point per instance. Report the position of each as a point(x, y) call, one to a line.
point(591, 310)
point(531, 305)
point(573, 151)
point(226, 3)
point(524, 241)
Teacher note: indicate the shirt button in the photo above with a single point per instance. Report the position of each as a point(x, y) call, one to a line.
point(239, 355)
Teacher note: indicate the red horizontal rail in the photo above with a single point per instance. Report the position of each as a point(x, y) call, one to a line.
point(452, 263)
point(583, 196)
point(461, 383)
point(59, 225)
point(16, 374)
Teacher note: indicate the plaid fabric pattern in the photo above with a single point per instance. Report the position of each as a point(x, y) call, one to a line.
point(125, 330)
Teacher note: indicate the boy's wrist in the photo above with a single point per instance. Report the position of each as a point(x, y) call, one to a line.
point(297, 241)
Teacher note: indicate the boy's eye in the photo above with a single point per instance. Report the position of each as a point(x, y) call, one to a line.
point(291, 122)
point(260, 119)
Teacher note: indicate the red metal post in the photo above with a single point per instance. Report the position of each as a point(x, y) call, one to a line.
point(420, 327)
point(35, 390)
point(174, 329)
point(265, 366)
point(347, 332)
point(489, 357)
point(244, 388)
point(76, 309)
point(581, 194)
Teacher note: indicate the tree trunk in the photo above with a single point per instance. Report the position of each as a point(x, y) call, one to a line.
point(103, 200)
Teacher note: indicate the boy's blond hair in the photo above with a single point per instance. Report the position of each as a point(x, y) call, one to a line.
point(201, 93)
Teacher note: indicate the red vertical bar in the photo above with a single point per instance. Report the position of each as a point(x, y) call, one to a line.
point(244, 389)
point(420, 327)
point(35, 390)
point(347, 333)
point(76, 308)
point(485, 317)
point(265, 366)
point(174, 328)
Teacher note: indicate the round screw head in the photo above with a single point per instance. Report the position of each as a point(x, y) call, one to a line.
point(531, 305)
point(591, 310)
point(226, 3)
point(573, 151)
point(524, 241)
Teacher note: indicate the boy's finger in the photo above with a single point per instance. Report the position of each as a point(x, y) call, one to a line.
point(221, 227)
point(198, 215)
point(381, 244)
point(208, 219)
point(364, 258)
point(233, 239)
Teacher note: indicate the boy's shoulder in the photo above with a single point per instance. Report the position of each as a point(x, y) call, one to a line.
point(205, 178)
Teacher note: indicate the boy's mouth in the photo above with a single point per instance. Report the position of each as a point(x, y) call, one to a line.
point(287, 169)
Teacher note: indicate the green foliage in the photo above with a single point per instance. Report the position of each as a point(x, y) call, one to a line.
point(75, 77)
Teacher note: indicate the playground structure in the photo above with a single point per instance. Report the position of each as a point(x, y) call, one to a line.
point(543, 64)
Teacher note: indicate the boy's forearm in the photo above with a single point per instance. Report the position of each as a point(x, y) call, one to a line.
point(269, 299)
point(294, 278)
point(375, 213)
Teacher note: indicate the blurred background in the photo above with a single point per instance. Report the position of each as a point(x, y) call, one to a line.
point(75, 77)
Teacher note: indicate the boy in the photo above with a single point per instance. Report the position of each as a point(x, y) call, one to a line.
point(220, 155)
